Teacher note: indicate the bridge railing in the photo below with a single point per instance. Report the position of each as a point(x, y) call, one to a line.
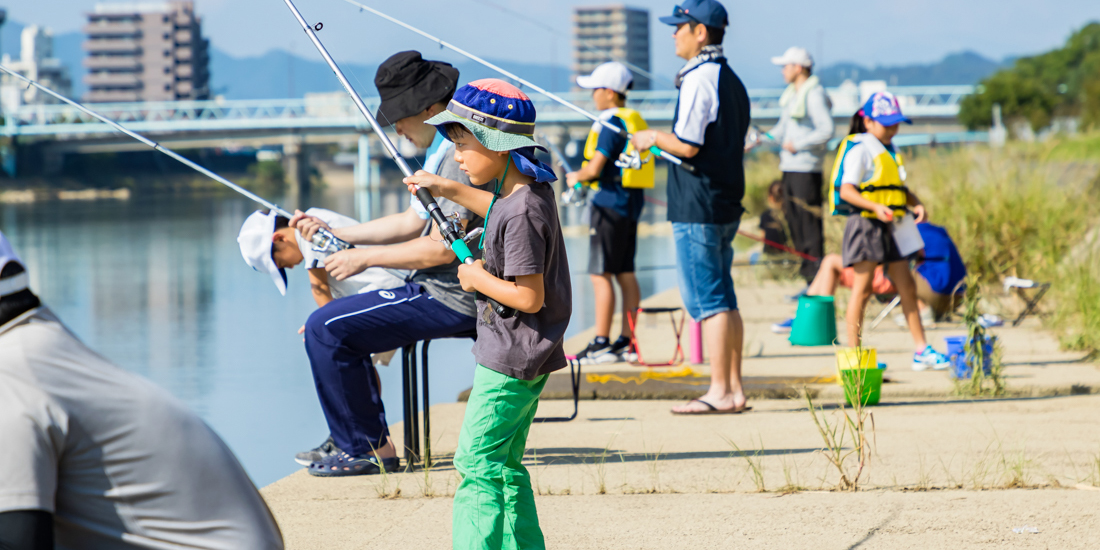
point(334, 111)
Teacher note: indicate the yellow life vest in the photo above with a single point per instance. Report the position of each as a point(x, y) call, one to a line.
point(642, 178)
point(886, 185)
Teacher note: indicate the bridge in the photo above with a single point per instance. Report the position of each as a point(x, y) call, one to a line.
point(292, 125)
point(328, 112)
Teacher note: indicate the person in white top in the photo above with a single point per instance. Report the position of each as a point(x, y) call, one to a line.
point(95, 457)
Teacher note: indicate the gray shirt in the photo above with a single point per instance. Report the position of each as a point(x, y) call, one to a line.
point(809, 134)
point(441, 281)
point(119, 462)
point(523, 237)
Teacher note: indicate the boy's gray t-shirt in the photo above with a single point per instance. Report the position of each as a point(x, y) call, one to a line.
point(523, 237)
point(119, 462)
point(441, 281)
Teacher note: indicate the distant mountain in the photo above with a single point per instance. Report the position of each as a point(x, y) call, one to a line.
point(958, 68)
point(278, 74)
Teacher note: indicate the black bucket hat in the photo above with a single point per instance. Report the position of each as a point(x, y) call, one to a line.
point(408, 84)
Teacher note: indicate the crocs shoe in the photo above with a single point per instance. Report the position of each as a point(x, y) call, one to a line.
point(328, 448)
point(784, 327)
point(342, 464)
point(930, 359)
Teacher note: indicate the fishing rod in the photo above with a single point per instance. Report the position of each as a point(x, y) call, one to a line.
point(756, 238)
point(451, 231)
point(322, 241)
point(578, 193)
point(624, 161)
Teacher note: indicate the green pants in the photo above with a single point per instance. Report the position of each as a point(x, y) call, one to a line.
point(494, 507)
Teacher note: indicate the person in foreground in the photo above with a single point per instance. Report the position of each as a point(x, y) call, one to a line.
point(519, 337)
point(94, 457)
point(708, 131)
point(616, 207)
point(871, 180)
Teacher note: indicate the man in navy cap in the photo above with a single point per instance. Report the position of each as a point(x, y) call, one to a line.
point(704, 204)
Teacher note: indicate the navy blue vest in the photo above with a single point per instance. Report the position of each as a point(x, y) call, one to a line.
point(713, 194)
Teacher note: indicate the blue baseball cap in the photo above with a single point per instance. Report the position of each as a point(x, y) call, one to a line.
point(708, 12)
point(883, 108)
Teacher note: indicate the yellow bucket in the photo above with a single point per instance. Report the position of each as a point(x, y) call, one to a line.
point(849, 358)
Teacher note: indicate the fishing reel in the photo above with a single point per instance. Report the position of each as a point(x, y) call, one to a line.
point(631, 161)
point(324, 241)
point(576, 195)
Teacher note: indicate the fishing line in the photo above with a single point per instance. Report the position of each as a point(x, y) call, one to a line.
point(323, 240)
point(656, 151)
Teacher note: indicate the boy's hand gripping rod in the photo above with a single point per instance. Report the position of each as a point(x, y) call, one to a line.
point(323, 240)
point(450, 231)
point(631, 163)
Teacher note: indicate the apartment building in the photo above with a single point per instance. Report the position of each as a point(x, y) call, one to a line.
point(36, 62)
point(148, 51)
point(606, 33)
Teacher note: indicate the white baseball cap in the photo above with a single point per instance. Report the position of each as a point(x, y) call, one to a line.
point(255, 241)
point(611, 75)
point(794, 56)
point(15, 283)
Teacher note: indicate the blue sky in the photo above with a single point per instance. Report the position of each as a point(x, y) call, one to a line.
point(862, 32)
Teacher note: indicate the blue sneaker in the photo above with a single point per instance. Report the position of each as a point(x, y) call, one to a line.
point(930, 359)
point(784, 327)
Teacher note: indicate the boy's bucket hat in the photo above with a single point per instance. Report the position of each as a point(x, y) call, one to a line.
point(17, 282)
point(255, 243)
point(497, 113)
point(708, 12)
point(883, 108)
point(500, 117)
point(408, 85)
point(611, 75)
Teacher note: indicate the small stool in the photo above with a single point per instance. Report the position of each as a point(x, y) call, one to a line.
point(575, 381)
point(412, 415)
point(677, 329)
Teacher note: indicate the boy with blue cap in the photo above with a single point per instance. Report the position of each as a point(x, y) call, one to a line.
point(519, 341)
point(868, 186)
point(704, 205)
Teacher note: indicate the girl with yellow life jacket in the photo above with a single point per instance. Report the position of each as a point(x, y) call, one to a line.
point(616, 207)
point(868, 185)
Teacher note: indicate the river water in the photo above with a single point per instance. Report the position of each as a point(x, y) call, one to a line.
point(157, 285)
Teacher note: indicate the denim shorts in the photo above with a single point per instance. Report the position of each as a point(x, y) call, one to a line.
point(704, 258)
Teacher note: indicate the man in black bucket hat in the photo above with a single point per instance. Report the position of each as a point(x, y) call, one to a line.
point(342, 335)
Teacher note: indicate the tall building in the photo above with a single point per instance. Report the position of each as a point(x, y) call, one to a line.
point(36, 62)
point(607, 33)
point(149, 51)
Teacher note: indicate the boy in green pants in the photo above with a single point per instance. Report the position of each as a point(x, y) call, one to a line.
point(519, 342)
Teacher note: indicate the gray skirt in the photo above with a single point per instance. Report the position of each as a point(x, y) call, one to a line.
point(868, 240)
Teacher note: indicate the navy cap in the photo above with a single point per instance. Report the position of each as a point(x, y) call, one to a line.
point(708, 12)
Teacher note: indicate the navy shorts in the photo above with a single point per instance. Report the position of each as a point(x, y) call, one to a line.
point(704, 258)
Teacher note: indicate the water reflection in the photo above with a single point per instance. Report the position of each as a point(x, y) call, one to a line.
point(158, 286)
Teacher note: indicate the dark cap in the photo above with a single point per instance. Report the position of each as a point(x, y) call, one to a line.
point(708, 12)
point(408, 85)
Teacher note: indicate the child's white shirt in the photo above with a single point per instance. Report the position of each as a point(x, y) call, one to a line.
point(859, 162)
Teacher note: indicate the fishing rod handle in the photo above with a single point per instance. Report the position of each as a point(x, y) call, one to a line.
point(674, 160)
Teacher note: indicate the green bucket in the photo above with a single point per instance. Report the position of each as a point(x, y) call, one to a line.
point(862, 384)
point(814, 322)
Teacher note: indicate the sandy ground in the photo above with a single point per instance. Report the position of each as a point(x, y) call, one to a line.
point(946, 472)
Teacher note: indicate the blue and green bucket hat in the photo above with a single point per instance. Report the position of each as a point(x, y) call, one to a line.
point(500, 117)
